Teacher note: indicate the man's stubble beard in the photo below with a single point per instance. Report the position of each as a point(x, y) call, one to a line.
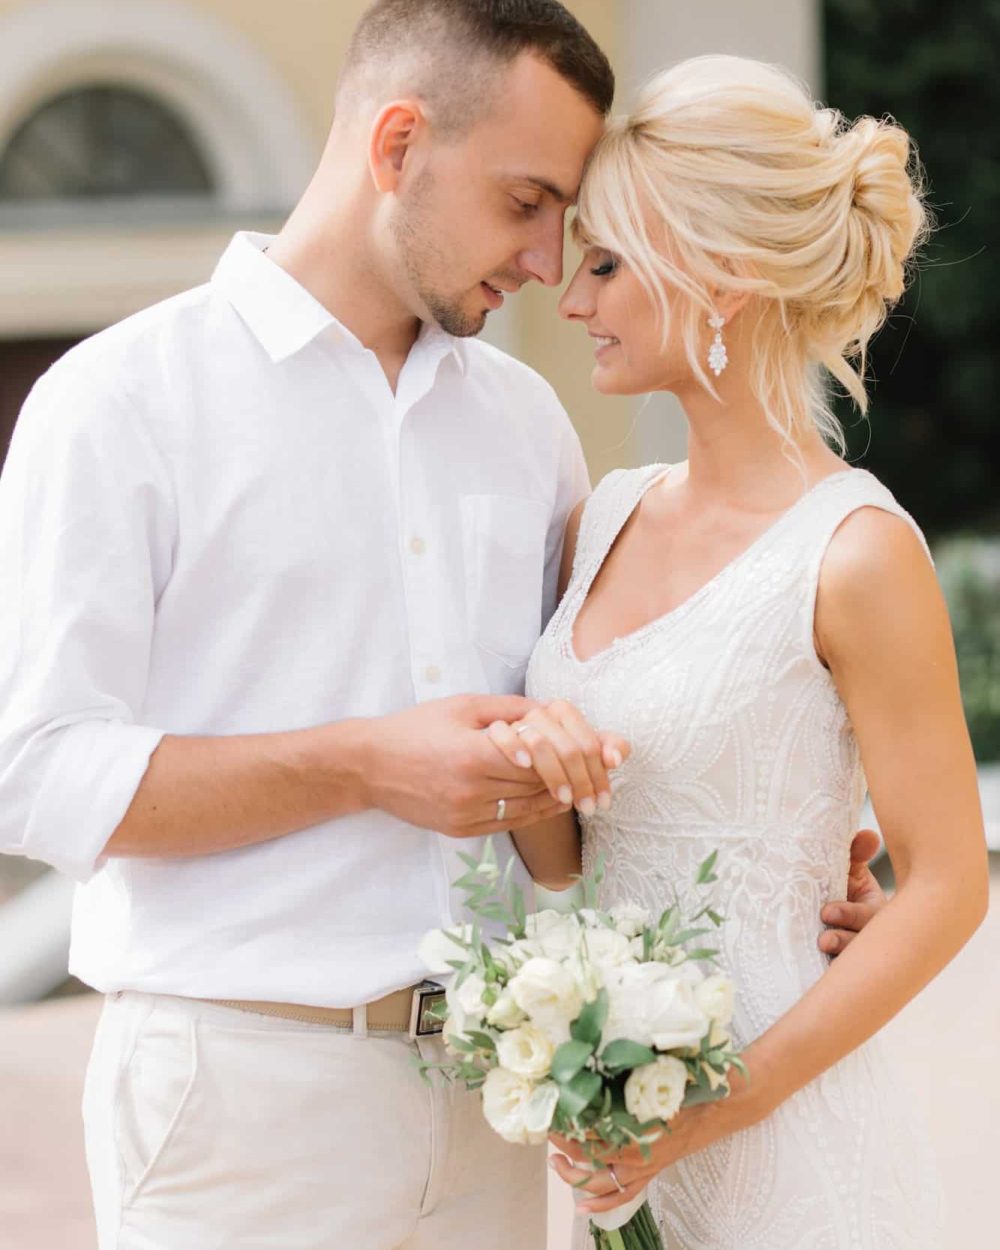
point(421, 256)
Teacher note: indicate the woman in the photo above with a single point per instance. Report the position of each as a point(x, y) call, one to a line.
point(762, 624)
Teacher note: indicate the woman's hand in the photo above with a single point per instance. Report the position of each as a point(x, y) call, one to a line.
point(570, 757)
point(688, 1133)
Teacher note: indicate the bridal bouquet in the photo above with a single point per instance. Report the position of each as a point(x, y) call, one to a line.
point(597, 1025)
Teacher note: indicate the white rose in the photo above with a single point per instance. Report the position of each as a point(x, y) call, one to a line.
point(630, 919)
point(715, 998)
point(526, 1051)
point(437, 948)
point(516, 1109)
point(605, 948)
point(547, 991)
point(656, 1090)
point(651, 1006)
point(505, 1013)
point(556, 935)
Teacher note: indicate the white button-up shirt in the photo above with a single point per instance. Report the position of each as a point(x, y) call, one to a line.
point(217, 518)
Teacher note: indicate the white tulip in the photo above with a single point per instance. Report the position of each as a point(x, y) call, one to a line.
point(516, 1109)
point(656, 1090)
point(526, 1051)
point(437, 948)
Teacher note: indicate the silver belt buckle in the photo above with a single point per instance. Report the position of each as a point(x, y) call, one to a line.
point(426, 1012)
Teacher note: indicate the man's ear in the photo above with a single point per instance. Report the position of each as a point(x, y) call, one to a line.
point(393, 133)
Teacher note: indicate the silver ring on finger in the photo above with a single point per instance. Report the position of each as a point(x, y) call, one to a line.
point(614, 1176)
point(522, 729)
point(501, 809)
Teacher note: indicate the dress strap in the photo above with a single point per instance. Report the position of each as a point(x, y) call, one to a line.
point(846, 495)
point(605, 513)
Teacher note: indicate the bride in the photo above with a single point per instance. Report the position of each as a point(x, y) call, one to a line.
point(763, 626)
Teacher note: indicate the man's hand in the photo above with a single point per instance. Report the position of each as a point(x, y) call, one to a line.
point(865, 897)
point(433, 766)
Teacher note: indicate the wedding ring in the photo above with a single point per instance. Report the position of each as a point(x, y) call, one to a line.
point(501, 808)
point(522, 729)
point(614, 1176)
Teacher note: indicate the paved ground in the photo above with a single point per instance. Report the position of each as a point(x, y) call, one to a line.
point(946, 1042)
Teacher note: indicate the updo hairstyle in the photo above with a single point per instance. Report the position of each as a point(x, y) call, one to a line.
point(728, 177)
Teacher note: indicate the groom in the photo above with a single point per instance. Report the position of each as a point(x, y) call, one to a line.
point(257, 545)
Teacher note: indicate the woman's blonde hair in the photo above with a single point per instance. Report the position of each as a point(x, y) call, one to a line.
point(761, 190)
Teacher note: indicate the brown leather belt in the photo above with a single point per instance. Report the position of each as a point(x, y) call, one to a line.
point(403, 1011)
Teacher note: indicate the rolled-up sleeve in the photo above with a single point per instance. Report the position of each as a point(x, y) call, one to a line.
point(86, 534)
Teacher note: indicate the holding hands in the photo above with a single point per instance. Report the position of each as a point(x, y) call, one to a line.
point(473, 765)
point(571, 759)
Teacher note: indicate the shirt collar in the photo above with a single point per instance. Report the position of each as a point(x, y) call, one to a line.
point(281, 313)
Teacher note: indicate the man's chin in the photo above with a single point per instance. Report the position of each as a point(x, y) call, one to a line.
point(456, 321)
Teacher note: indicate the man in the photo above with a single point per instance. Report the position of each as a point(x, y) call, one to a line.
point(258, 544)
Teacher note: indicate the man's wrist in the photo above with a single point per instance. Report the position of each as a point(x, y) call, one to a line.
point(337, 761)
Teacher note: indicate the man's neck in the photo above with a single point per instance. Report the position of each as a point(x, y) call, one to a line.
point(331, 261)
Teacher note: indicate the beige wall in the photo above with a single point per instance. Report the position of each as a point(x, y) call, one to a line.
point(110, 273)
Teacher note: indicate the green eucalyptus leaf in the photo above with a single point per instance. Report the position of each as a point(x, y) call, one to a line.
point(576, 1095)
point(589, 1023)
point(569, 1059)
point(622, 1055)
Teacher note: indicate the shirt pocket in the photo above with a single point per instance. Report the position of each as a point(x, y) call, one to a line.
point(503, 541)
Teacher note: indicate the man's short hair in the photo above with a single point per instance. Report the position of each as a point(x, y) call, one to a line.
point(452, 54)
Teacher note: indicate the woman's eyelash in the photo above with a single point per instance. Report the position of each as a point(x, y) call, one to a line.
point(526, 208)
point(605, 270)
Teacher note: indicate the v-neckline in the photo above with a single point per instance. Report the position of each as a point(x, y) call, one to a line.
point(646, 485)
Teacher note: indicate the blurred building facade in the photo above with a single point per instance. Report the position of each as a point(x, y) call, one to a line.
point(137, 135)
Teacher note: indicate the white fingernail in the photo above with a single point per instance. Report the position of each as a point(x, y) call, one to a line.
point(524, 759)
point(587, 807)
point(604, 801)
point(616, 759)
point(565, 794)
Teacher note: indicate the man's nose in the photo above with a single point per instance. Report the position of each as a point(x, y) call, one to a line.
point(544, 261)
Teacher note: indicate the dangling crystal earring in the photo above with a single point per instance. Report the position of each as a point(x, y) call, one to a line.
point(718, 358)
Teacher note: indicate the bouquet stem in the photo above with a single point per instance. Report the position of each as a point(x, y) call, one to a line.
point(640, 1233)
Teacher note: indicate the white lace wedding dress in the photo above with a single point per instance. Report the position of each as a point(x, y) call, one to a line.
point(740, 742)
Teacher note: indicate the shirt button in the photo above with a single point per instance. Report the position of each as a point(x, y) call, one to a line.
point(432, 674)
point(417, 546)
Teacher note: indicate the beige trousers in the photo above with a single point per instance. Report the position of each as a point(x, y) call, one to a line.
point(209, 1128)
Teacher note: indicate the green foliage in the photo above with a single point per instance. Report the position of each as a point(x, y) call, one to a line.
point(622, 1055)
point(569, 1059)
point(933, 436)
point(969, 570)
point(589, 1023)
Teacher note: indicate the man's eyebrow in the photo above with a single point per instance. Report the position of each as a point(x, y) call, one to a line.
point(543, 184)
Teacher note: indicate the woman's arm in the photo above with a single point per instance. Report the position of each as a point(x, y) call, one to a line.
point(550, 850)
point(882, 629)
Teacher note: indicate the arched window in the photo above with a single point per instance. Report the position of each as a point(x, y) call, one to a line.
point(102, 143)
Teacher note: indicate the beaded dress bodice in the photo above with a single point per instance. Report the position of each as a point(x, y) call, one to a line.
point(741, 743)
